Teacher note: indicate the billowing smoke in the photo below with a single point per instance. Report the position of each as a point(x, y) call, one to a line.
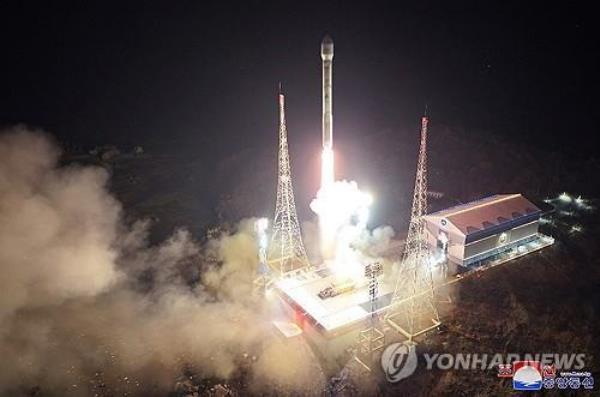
point(87, 307)
point(55, 226)
point(343, 211)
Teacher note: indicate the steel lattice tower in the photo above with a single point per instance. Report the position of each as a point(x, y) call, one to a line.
point(412, 311)
point(286, 250)
point(372, 339)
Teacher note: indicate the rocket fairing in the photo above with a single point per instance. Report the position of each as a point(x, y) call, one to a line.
point(327, 58)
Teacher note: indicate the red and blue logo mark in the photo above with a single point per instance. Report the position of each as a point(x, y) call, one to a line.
point(532, 375)
point(527, 375)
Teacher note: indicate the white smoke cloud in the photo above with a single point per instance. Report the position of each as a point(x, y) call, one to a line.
point(346, 242)
point(88, 307)
point(342, 209)
point(57, 226)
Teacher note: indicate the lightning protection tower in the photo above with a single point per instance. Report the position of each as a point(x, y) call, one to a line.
point(412, 311)
point(372, 339)
point(286, 251)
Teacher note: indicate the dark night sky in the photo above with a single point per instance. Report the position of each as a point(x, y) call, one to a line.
point(203, 77)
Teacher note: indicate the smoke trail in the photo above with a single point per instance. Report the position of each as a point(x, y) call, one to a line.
point(87, 307)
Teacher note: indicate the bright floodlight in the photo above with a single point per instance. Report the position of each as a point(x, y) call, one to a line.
point(262, 224)
point(565, 197)
point(582, 203)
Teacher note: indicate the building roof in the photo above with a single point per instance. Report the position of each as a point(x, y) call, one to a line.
point(489, 213)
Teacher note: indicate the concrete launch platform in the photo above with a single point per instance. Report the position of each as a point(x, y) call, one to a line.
point(332, 315)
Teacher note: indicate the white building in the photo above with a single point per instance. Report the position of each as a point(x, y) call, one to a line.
point(481, 230)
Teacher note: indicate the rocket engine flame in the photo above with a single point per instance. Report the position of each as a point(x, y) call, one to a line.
point(343, 211)
point(327, 167)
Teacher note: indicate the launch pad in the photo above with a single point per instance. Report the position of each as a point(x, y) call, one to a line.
point(330, 315)
point(331, 324)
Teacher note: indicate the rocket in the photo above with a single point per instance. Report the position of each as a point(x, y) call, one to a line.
point(327, 58)
point(327, 168)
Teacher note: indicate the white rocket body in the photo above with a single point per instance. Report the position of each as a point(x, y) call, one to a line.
point(327, 167)
point(327, 58)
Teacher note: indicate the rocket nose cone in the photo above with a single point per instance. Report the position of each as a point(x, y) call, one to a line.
point(327, 48)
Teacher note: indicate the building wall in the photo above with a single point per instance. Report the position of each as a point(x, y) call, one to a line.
point(458, 251)
point(456, 242)
point(331, 348)
point(525, 230)
point(500, 239)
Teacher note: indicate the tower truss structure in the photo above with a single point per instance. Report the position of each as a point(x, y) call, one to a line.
point(372, 339)
point(286, 251)
point(412, 311)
